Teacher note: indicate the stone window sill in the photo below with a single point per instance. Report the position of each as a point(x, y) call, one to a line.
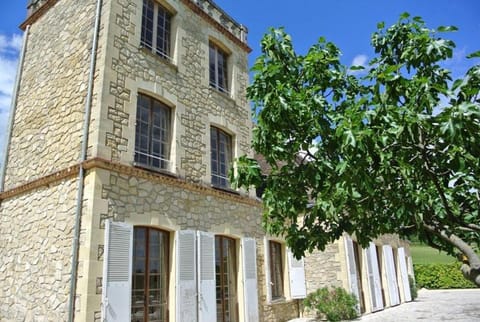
point(225, 95)
point(164, 60)
point(225, 189)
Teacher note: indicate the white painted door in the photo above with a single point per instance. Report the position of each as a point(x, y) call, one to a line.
point(186, 292)
point(391, 275)
point(374, 280)
point(404, 274)
point(352, 270)
point(117, 272)
point(206, 276)
point(249, 253)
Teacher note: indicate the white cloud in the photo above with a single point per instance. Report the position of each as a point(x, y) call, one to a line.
point(359, 60)
point(9, 50)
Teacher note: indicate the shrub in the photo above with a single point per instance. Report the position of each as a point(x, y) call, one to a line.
point(335, 303)
point(441, 276)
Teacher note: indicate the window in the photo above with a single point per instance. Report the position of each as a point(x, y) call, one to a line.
point(152, 133)
point(221, 156)
point(226, 281)
point(218, 68)
point(156, 28)
point(276, 269)
point(150, 275)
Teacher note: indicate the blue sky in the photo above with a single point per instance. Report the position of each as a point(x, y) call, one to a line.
point(347, 23)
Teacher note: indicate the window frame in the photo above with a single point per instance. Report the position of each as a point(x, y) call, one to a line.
point(218, 178)
point(218, 59)
point(164, 139)
point(151, 42)
point(219, 239)
point(165, 235)
point(276, 270)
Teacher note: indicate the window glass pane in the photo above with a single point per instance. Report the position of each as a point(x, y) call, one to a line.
point(150, 288)
point(276, 269)
point(152, 133)
point(147, 24)
point(226, 280)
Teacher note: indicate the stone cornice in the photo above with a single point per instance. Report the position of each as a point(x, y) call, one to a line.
point(37, 14)
point(195, 8)
point(153, 176)
point(189, 3)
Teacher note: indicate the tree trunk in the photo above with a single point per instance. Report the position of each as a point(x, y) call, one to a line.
point(471, 267)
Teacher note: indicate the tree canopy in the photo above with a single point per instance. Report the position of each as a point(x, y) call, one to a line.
point(390, 148)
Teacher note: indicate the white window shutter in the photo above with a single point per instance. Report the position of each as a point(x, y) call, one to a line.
point(404, 274)
point(391, 275)
point(352, 270)
point(186, 276)
point(374, 278)
point(207, 309)
point(267, 270)
point(117, 272)
point(249, 252)
point(296, 269)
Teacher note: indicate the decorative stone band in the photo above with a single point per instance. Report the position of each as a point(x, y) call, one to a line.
point(98, 163)
point(41, 182)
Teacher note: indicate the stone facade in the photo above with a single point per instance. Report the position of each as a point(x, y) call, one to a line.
point(38, 204)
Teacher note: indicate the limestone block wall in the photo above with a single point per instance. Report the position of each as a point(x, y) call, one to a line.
point(36, 230)
point(181, 83)
point(49, 113)
point(323, 269)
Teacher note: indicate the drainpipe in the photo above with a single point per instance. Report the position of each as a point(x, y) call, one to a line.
point(83, 157)
point(13, 107)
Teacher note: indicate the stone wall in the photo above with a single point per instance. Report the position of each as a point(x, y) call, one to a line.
point(49, 113)
point(36, 230)
point(322, 269)
point(180, 82)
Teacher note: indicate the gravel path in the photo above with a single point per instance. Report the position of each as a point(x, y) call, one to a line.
point(430, 306)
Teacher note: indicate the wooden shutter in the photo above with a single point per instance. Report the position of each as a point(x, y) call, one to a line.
point(374, 280)
point(249, 252)
point(391, 275)
point(117, 272)
point(404, 274)
point(296, 270)
point(207, 311)
point(352, 270)
point(186, 276)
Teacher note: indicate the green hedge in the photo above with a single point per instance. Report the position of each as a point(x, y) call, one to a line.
point(440, 276)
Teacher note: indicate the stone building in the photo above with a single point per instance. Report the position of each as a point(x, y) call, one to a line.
point(115, 200)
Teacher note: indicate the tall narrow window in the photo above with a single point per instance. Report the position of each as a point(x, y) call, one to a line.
point(150, 275)
point(218, 68)
point(276, 269)
point(226, 279)
point(152, 133)
point(156, 26)
point(221, 156)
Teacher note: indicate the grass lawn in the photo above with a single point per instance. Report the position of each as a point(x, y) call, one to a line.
point(422, 254)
